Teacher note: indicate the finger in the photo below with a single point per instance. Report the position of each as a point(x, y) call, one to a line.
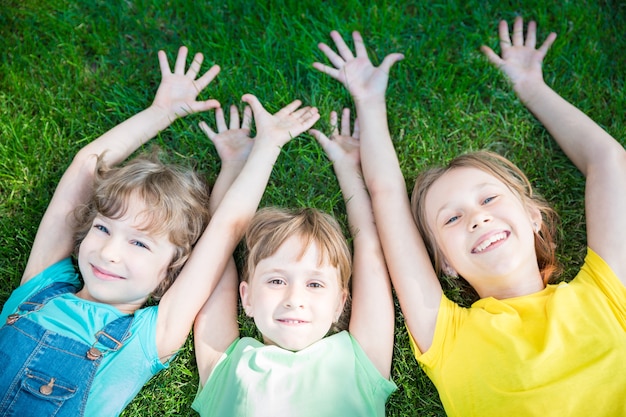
point(220, 121)
point(390, 60)
point(321, 138)
point(291, 107)
point(503, 31)
point(255, 105)
point(307, 121)
point(545, 46)
point(303, 113)
point(196, 63)
point(179, 66)
point(334, 59)
point(207, 130)
point(518, 31)
point(492, 56)
point(333, 72)
point(531, 34)
point(234, 117)
point(345, 122)
point(359, 45)
point(198, 106)
point(333, 123)
point(247, 118)
point(163, 63)
point(207, 77)
point(342, 48)
point(357, 130)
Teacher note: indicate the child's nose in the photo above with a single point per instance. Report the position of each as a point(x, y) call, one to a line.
point(111, 250)
point(294, 297)
point(479, 218)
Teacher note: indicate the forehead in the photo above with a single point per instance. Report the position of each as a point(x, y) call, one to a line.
point(457, 183)
point(144, 218)
point(296, 255)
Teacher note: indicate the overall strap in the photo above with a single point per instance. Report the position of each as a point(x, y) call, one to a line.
point(113, 335)
point(37, 300)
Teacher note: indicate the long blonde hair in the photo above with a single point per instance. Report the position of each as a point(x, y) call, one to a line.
point(507, 172)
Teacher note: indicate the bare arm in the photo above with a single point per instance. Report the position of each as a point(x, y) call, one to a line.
point(412, 274)
point(372, 317)
point(175, 98)
point(600, 158)
point(200, 275)
point(216, 326)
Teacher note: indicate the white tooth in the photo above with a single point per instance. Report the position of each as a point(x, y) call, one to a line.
point(490, 241)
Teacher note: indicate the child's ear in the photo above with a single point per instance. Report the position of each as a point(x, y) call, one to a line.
point(341, 305)
point(448, 270)
point(535, 217)
point(244, 293)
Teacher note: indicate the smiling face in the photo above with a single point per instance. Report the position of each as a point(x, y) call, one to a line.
point(484, 232)
point(121, 264)
point(293, 295)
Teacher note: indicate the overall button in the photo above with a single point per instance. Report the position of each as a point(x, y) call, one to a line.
point(47, 389)
point(93, 354)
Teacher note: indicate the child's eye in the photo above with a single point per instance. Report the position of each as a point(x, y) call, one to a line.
point(316, 285)
point(276, 281)
point(140, 244)
point(452, 220)
point(101, 228)
point(489, 199)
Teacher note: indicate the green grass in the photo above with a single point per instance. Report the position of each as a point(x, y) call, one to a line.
point(70, 70)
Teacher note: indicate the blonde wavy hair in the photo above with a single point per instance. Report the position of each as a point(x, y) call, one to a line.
point(178, 201)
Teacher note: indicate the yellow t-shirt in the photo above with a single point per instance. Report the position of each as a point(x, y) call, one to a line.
point(559, 352)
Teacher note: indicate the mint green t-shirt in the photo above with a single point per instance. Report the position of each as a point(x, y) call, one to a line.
point(127, 370)
point(332, 377)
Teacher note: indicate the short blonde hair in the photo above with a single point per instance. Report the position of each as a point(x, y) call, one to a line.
point(508, 173)
point(272, 226)
point(178, 201)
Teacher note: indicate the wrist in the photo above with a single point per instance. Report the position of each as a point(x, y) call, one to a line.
point(160, 116)
point(377, 99)
point(233, 165)
point(529, 91)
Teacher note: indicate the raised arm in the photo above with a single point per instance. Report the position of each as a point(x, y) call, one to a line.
point(200, 275)
point(372, 315)
point(412, 274)
point(600, 158)
point(175, 97)
point(216, 326)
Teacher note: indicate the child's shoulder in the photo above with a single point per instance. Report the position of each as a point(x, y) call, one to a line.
point(62, 271)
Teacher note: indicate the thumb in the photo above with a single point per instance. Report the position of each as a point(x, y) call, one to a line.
point(390, 60)
point(254, 103)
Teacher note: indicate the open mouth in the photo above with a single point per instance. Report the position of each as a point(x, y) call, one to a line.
point(490, 242)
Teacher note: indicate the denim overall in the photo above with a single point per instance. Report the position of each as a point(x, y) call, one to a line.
point(43, 373)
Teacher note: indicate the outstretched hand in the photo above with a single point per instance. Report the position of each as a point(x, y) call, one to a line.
point(232, 142)
point(341, 145)
point(520, 60)
point(357, 73)
point(178, 90)
point(287, 123)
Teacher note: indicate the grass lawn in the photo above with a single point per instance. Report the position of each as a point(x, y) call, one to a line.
point(70, 70)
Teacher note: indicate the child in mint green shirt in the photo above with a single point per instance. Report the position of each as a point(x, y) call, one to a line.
point(295, 287)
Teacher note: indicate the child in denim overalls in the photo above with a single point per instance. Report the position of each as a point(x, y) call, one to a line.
point(75, 340)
